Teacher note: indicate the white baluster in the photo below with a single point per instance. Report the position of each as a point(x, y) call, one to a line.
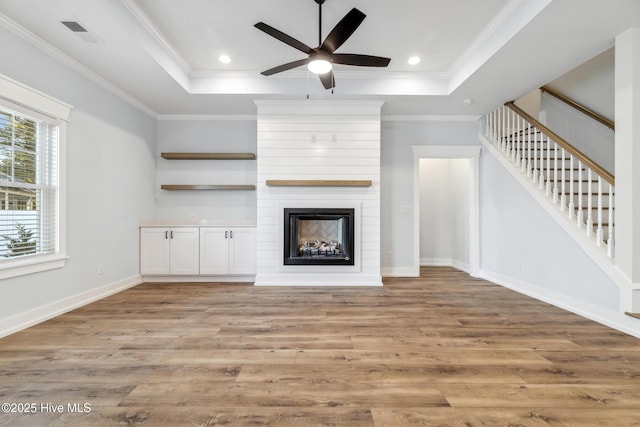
point(542, 177)
point(529, 151)
point(610, 240)
point(572, 197)
point(589, 205)
point(580, 213)
point(518, 141)
point(548, 183)
point(523, 142)
point(513, 136)
point(554, 197)
point(502, 124)
point(599, 236)
point(535, 155)
point(504, 129)
point(563, 194)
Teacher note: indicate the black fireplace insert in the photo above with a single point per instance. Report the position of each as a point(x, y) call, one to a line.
point(318, 236)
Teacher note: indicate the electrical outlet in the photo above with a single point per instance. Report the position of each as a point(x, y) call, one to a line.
point(389, 254)
point(101, 268)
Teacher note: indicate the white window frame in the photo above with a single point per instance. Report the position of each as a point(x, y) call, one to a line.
point(23, 99)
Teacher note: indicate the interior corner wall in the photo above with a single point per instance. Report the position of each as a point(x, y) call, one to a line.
point(110, 180)
point(398, 236)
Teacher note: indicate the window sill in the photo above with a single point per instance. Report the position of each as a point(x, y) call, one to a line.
point(31, 265)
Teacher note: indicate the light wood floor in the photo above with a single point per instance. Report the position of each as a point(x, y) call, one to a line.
point(442, 350)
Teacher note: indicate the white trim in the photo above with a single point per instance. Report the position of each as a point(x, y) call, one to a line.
point(613, 319)
point(65, 59)
point(18, 322)
point(207, 117)
point(471, 153)
point(445, 262)
point(430, 118)
point(33, 99)
point(587, 244)
point(399, 272)
point(29, 265)
point(198, 279)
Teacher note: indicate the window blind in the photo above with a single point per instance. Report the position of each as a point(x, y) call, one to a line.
point(28, 185)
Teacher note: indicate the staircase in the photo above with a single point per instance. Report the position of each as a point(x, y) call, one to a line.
point(582, 190)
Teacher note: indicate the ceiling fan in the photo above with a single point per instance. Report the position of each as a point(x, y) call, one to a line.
point(320, 60)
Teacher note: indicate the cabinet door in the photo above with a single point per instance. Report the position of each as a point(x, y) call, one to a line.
point(154, 251)
point(242, 251)
point(184, 250)
point(214, 250)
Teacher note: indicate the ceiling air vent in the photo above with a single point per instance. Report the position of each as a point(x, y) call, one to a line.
point(74, 26)
point(80, 31)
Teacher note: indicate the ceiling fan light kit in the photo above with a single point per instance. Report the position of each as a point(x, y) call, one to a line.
point(320, 60)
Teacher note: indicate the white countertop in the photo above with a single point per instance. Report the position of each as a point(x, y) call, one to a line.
point(181, 222)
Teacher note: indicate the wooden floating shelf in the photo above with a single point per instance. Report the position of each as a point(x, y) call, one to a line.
point(207, 187)
point(208, 156)
point(316, 183)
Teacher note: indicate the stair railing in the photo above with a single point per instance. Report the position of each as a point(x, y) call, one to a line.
point(564, 174)
point(576, 105)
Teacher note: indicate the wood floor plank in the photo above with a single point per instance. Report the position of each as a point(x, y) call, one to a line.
point(444, 349)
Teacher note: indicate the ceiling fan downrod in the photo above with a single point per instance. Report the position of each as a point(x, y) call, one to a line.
point(320, 2)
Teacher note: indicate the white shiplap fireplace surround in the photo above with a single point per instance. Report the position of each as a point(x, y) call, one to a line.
point(318, 140)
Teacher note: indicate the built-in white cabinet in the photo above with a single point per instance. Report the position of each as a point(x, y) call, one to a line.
point(169, 251)
point(228, 250)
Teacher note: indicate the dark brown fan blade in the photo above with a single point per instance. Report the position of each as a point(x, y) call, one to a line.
point(343, 30)
point(328, 80)
point(360, 60)
point(284, 38)
point(285, 67)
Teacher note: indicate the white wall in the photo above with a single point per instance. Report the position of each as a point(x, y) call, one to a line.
point(318, 140)
point(523, 247)
point(236, 135)
point(398, 136)
point(110, 180)
point(592, 85)
point(444, 212)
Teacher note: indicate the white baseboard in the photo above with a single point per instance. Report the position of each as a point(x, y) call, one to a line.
point(610, 318)
point(18, 322)
point(198, 279)
point(445, 262)
point(400, 272)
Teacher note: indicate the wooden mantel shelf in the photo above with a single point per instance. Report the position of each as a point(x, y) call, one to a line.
point(207, 187)
point(208, 156)
point(317, 183)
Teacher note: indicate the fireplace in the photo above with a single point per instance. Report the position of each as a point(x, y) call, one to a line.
point(319, 236)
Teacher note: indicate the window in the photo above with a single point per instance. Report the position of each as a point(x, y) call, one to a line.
point(32, 225)
point(28, 186)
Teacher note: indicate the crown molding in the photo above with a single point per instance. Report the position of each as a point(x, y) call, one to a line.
point(63, 58)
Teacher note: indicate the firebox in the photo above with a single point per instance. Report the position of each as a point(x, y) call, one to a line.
point(318, 236)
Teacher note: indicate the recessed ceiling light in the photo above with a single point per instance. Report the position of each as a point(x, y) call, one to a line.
point(225, 59)
point(414, 60)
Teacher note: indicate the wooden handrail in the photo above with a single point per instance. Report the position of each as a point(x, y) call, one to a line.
point(570, 102)
point(606, 175)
